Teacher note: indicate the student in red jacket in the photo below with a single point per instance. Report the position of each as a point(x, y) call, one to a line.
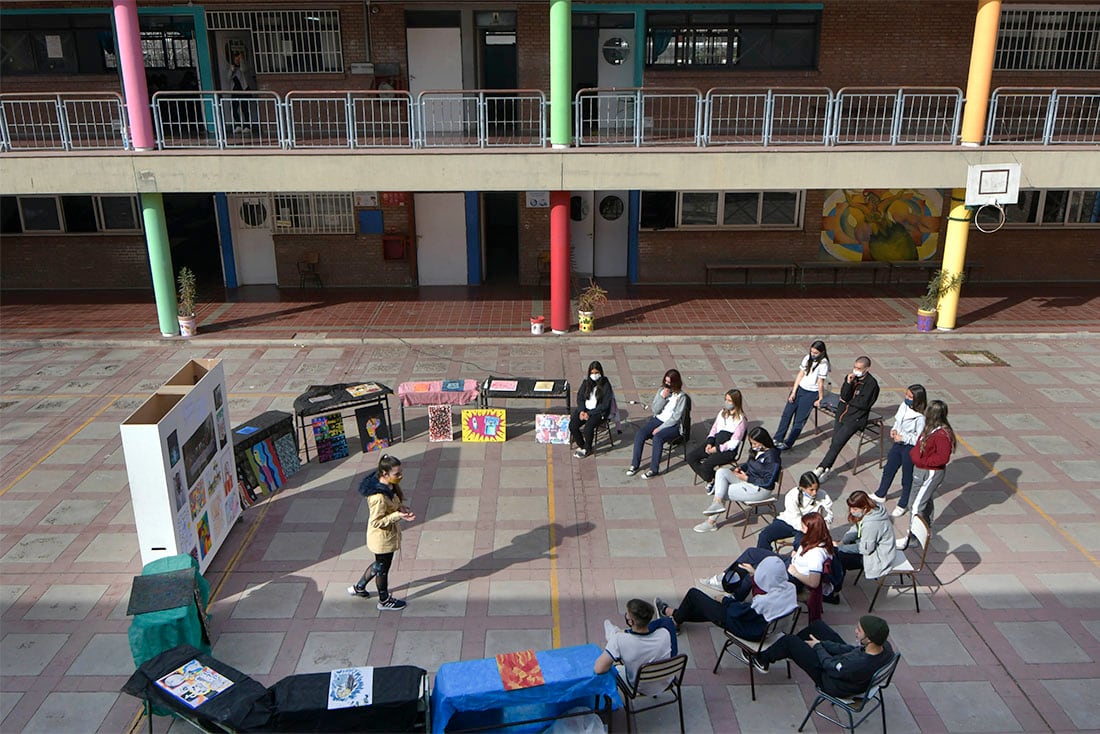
point(930, 457)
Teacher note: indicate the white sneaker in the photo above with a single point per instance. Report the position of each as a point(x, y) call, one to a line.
point(822, 473)
point(902, 543)
point(880, 500)
point(710, 488)
point(899, 511)
point(714, 582)
point(705, 527)
point(716, 508)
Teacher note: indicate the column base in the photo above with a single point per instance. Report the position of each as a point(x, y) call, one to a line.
point(555, 331)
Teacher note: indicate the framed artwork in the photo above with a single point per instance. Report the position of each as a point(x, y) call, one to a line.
point(440, 423)
point(551, 428)
point(483, 425)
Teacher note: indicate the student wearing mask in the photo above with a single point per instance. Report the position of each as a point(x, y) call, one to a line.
point(806, 497)
point(726, 434)
point(930, 457)
point(908, 424)
point(594, 398)
point(753, 480)
point(869, 543)
point(668, 408)
point(857, 396)
point(806, 392)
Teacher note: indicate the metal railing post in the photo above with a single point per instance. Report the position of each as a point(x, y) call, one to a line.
point(1052, 116)
point(639, 120)
point(769, 110)
point(899, 115)
point(63, 124)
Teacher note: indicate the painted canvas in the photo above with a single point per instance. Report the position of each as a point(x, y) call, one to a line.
point(332, 441)
point(551, 428)
point(440, 423)
point(887, 225)
point(483, 425)
point(374, 432)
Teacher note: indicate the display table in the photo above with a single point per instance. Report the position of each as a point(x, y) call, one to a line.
point(152, 633)
point(265, 450)
point(407, 394)
point(525, 388)
point(469, 694)
point(325, 399)
point(399, 701)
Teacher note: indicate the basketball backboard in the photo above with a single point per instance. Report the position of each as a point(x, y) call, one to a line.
point(992, 183)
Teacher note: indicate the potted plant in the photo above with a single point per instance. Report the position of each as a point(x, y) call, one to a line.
point(939, 285)
point(591, 297)
point(185, 308)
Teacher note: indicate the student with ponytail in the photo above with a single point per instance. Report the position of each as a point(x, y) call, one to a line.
point(382, 488)
point(930, 456)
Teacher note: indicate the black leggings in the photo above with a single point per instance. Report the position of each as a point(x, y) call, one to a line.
point(795, 648)
point(380, 572)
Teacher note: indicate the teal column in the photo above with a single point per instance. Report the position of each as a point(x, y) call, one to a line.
point(561, 73)
point(160, 262)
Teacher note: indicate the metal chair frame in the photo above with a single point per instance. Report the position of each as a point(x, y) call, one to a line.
point(923, 533)
point(874, 429)
point(858, 705)
point(755, 647)
point(736, 460)
point(757, 507)
point(682, 439)
point(673, 667)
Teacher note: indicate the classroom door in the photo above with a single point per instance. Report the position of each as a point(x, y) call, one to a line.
point(581, 233)
point(610, 234)
point(253, 240)
point(441, 238)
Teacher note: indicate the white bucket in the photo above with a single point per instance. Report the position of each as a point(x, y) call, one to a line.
point(538, 325)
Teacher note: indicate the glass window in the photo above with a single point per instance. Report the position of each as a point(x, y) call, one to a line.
point(1048, 38)
point(740, 207)
point(779, 207)
point(9, 215)
point(658, 209)
point(295, 41)
point(699, 208)
point(1025, 210)
point(1054, 207)
point(747, 39)
point(40, 213)
point(79, 214)
point(118, 213)
point(1085, 208)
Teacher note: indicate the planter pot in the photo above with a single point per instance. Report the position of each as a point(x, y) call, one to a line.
point(926, 320)
point(187, 326)
point(587, 320)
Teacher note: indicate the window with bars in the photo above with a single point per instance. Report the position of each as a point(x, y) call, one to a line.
point(314, 214)
point(1049, 38)
point(1051, 208)
point(70, 214)
point(748, 39)
point(287, 41)
point(721, 209)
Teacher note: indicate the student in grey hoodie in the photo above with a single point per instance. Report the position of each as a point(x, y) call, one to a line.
point(869, 544)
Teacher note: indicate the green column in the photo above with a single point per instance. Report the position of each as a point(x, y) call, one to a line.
point(561, 73)
point(160, 262)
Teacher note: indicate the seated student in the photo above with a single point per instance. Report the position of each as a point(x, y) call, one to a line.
point(804, 567)
point(774, 596)
point(726, 434)
point(667, 406)
point(753, 480)
point(836, 667)
point(806, 497)
point(869, 544)
point(594, 398)
point(637, 645)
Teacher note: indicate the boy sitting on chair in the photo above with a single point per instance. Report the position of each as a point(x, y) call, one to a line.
point(839, 669)
point(638, 644)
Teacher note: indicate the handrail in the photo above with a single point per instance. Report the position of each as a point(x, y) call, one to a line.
point(1057, 116)
point(218, 119)
point(897, 115)
point(62, 121)
point(767, 116)
point(369, 118)
point(483, 118)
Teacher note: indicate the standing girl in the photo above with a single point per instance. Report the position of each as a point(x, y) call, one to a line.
point(725, 436)
point(593, 406)
point(382, 488)
point(805, 498)
point(668, 407)
point(754, 480)
point(930, 457)
point(806, 392)
point(908, 424)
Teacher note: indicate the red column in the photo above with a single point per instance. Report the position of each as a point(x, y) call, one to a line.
point(559, 262)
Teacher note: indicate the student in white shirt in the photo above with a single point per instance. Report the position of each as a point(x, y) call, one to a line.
point(908, 424)
point(806, 392)
point(635, 646)
point(668, 407)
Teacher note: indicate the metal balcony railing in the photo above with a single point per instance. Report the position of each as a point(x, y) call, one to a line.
point(478, 118)
point(62, 121)
point(1063, 116)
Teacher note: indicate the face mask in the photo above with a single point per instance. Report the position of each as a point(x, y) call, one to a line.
point(596, 377)
point(909, 402)
point(729, 406)
point(808, 496)
point(857, 514)
point(857, 373)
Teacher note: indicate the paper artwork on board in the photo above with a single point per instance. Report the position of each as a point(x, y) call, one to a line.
point(483, 425)
point(552, 428)
point(440, 423)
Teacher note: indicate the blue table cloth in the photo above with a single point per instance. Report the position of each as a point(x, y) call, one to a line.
point(474, 685)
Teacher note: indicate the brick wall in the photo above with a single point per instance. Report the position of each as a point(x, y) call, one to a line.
point(74, 262)
point(534, 237)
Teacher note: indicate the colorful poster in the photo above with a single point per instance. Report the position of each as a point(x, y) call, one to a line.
point(483, 425)
point(194, 683)
point(519, 670)
point(205, 540)
point(328, 433)
point(551, 428)
point(504, 385)
point(350, 687)
point(374, 433)
point(440, 423)
point(197, 498)
point(887, 225)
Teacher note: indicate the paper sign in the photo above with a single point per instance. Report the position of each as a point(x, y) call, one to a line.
point(482, 425)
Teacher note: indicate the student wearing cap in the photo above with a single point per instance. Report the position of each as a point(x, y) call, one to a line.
point(836, 667)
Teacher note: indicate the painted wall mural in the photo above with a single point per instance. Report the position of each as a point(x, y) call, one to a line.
point(882, 224)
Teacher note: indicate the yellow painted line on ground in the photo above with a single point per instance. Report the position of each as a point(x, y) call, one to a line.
point(60, 443)
point(1039, 510)
point(555, 608)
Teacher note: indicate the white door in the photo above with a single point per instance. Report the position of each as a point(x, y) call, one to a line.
point(435, 58)
point(615, 69)
point(253, 242)
point(441, 238)
point(580, 232)
point(610, 233)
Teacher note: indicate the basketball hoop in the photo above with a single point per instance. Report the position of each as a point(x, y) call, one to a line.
point(990, 228)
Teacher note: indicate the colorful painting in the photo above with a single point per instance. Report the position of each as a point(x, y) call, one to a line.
point(197, 498)
point(350, 687)
point(482, 425)
point(328, 433)
point(374, 432)
point(519, 670)
point(440, 423)
point(205, 540)
point(888, 225)
point(551, 428)
point(219, 421)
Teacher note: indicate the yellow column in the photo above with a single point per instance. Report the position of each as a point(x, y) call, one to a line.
point(982, 49)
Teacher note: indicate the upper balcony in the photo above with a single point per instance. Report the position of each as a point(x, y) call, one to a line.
point(619, 137)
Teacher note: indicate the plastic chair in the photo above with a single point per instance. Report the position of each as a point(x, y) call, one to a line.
point(758, 507)
point(307, 269)
point(755, 647)
point(858, 705)
point(659, 670)
point(903, 567)
point(683, 438)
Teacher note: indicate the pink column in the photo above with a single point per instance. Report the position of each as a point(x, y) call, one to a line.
point(559, 262)
point(132, 64)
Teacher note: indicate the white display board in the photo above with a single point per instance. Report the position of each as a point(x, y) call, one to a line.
point(179, 460)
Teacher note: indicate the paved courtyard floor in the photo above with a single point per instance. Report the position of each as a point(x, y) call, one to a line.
point(519, 545)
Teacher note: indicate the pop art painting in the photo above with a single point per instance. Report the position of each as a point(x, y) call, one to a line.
point(483, 425)
point(551, 428)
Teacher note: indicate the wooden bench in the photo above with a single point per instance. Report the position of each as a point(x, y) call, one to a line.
point(747, 267)
point(875, 428)
point(840, 269)
point(897, 268)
